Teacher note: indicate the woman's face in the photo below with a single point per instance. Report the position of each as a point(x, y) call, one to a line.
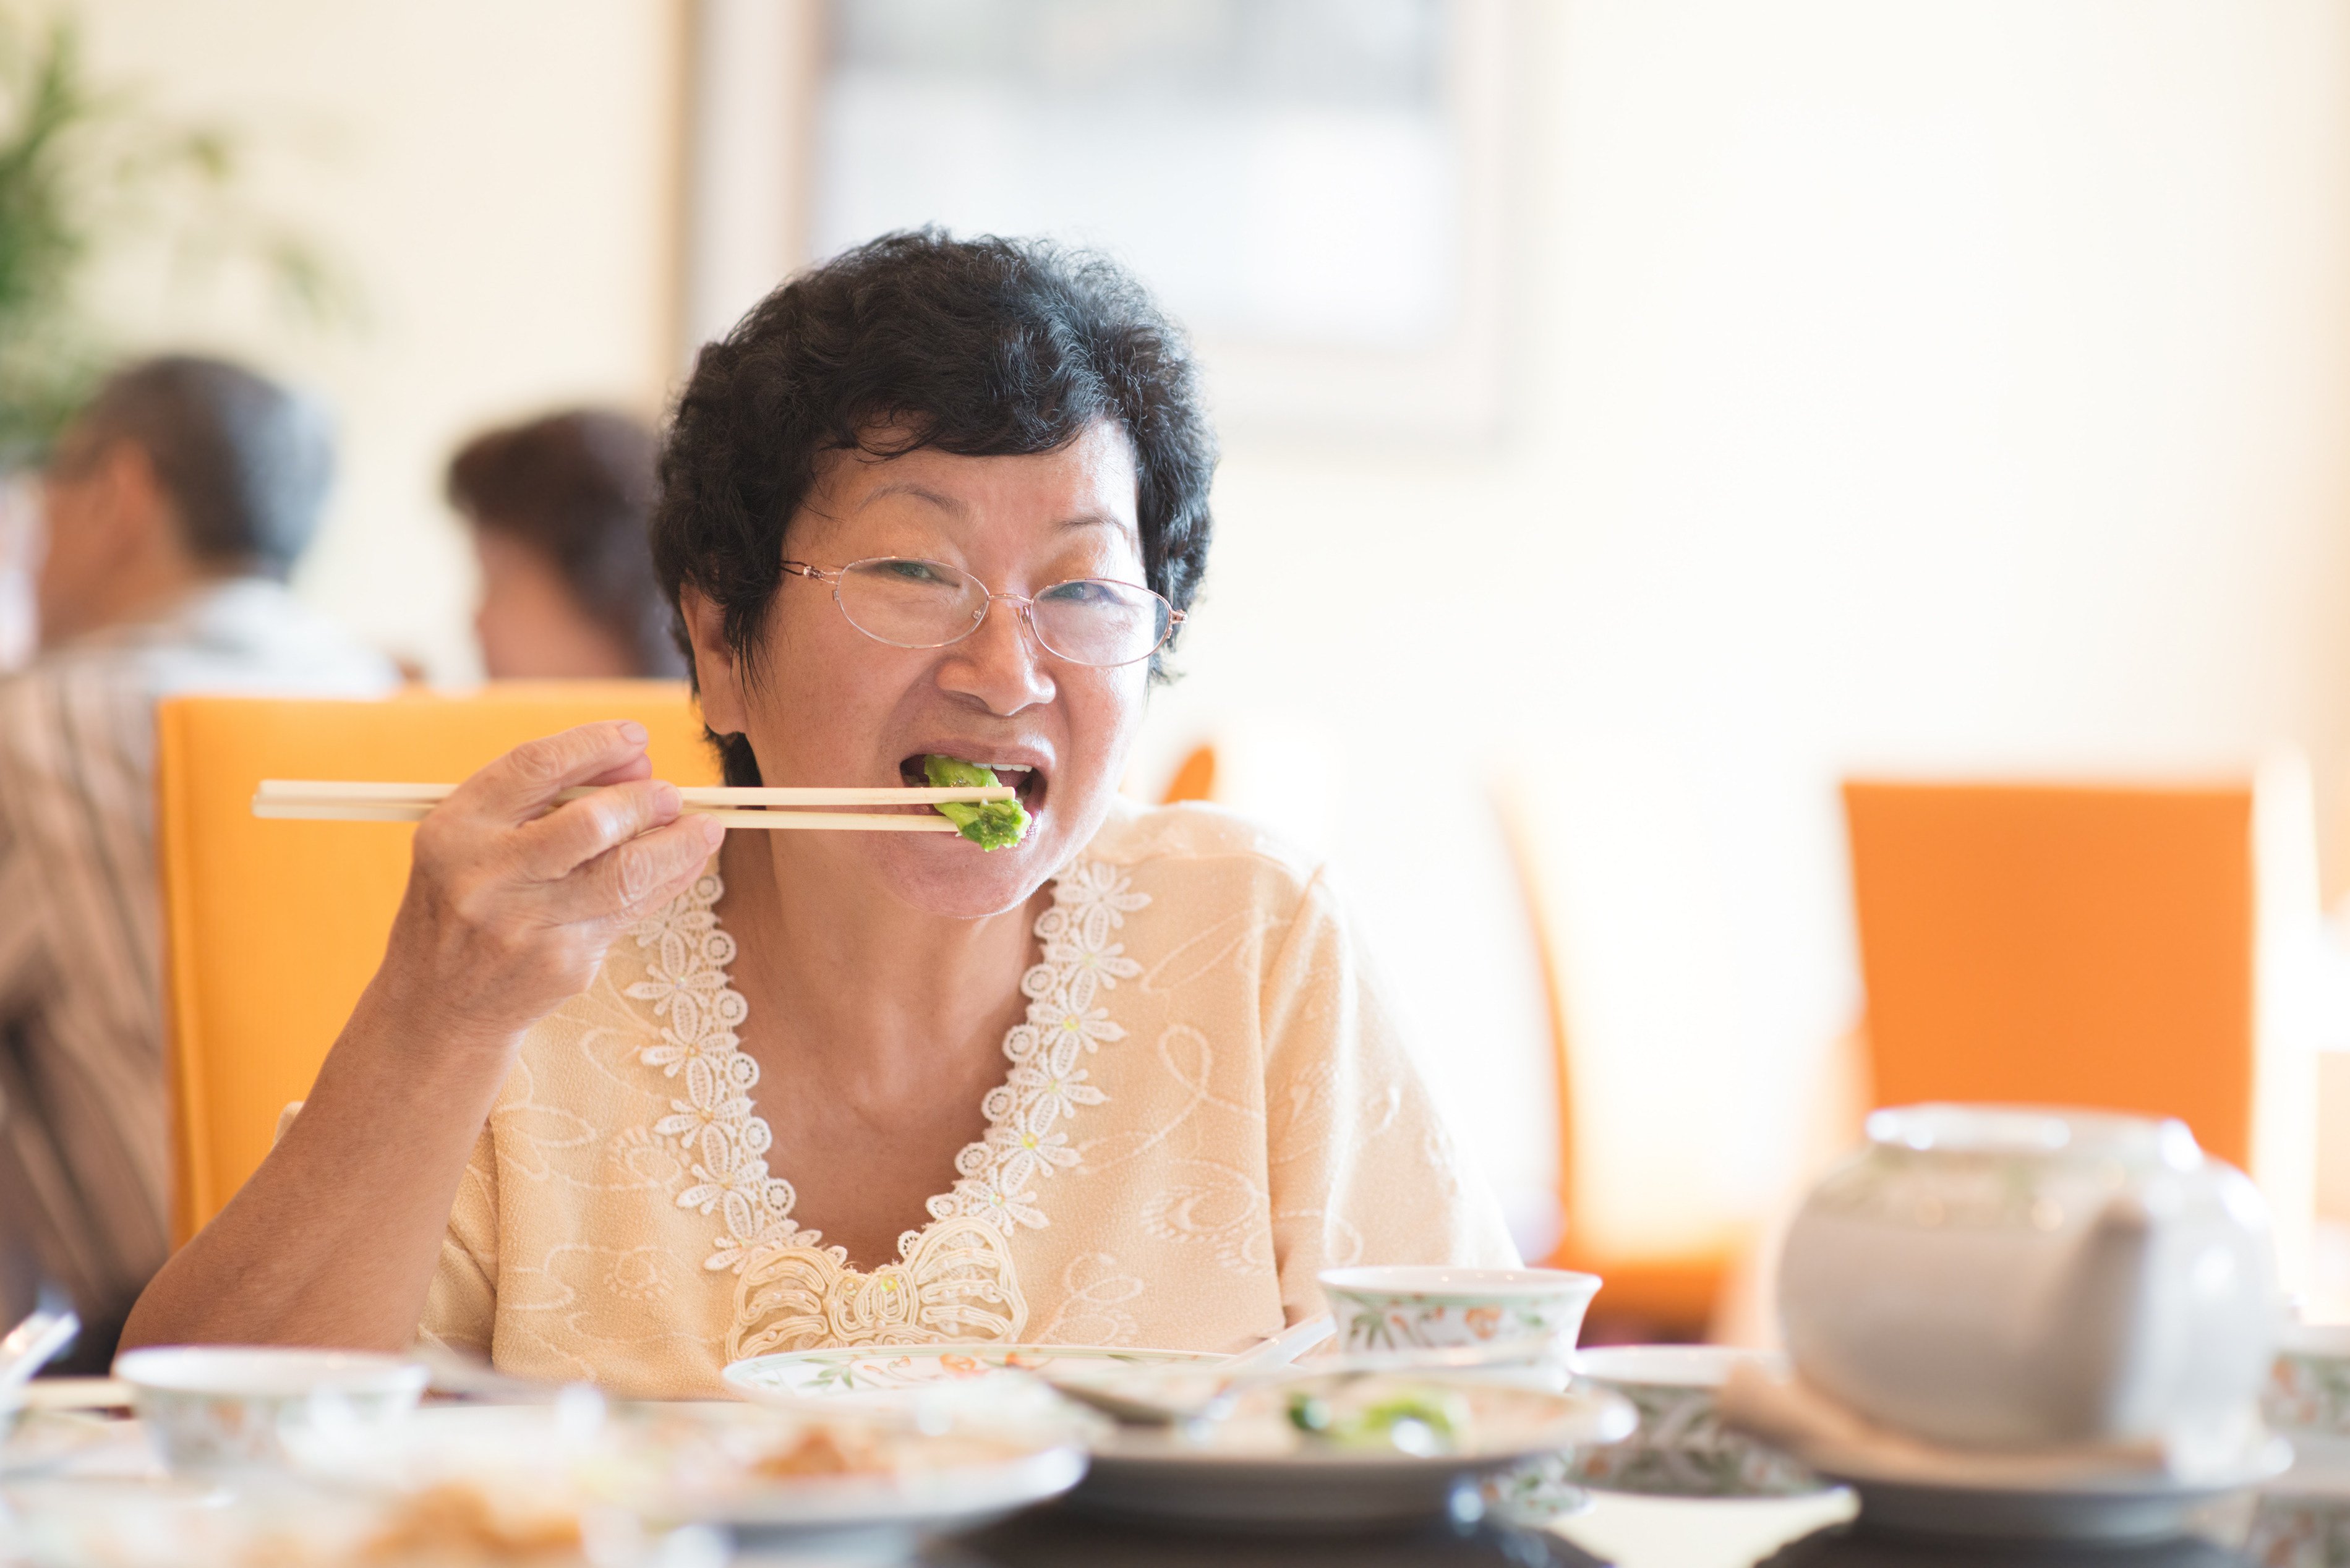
point(828, 705)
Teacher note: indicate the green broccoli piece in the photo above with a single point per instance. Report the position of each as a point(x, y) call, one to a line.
point(1310, 1413)
point(1414, 1421)
point(1441, 1419)
point(996, 823)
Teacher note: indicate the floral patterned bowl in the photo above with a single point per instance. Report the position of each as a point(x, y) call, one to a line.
point(1681, 1449)
point(1413, 1307)
point(209, 1409)
point(2308, 1389)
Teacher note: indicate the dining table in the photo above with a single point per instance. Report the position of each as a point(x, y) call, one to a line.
point(1818, 1530)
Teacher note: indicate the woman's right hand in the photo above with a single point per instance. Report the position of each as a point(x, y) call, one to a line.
point(511, 906)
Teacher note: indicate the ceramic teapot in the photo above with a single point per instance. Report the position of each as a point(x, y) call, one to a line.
point(2011, 1277)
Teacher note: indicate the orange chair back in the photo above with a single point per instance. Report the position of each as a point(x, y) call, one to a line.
point(1194, 779)
point(2086, 947)
point(271, 929)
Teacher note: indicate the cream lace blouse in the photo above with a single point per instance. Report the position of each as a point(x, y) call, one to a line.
point(1206, 1106)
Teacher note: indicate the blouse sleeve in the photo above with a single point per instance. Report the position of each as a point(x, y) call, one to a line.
point(460, 1305)
point(1362, 1168)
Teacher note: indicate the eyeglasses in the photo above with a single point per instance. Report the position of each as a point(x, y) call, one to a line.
point(928, 604)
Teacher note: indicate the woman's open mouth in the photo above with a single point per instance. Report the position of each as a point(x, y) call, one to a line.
point(1028, 783)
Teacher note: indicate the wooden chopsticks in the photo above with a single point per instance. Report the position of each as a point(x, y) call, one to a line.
point(322, 800)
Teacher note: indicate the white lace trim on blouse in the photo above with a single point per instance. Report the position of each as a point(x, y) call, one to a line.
point(724, 1143)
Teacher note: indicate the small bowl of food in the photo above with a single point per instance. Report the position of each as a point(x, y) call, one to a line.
point(2308, 1390)
point(208, 1408)
point(2307, 1400)
point(1393, 1316)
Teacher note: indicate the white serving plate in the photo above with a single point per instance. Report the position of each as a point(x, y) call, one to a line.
point(2118, 1506)
point(955, 1481)
point(45, 1440)
point(965, 1496)
point(551, 1459)
point(1253, 1471)
point(127, 1521)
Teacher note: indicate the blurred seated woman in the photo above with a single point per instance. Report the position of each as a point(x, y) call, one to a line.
point(559, 509)
point(626, 1103)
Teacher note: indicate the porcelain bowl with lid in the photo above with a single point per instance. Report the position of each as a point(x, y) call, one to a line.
point(2020, 1277)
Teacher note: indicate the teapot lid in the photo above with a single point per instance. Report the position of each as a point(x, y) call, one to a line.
point(2050, 1130)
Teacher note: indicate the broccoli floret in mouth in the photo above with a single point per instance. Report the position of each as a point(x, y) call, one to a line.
point(992, 825)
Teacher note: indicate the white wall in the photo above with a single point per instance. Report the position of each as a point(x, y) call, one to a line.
point(498, 179)
point(1948, 385)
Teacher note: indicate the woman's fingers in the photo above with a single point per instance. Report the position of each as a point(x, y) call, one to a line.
point(514, 896)
point(551, 848)
point(638, 767)
point(524, 783)
point(633, 878)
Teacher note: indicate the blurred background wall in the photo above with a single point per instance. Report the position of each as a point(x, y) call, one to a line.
point(1951, 385)
point(498, 183)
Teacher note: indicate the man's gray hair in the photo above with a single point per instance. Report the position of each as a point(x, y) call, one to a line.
point(245, 462)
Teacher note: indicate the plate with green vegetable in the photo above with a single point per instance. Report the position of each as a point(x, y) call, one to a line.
point(1340, 1449)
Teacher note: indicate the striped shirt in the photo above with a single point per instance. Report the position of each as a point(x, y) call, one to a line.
point(84, 1153)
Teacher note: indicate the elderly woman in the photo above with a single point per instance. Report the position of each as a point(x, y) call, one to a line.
point(624, 1103)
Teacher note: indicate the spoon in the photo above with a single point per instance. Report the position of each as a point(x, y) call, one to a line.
point(1282, 1348)
point(1138, 1409)
point(37, 1341)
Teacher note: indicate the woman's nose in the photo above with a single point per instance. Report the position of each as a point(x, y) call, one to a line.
point(999, 664)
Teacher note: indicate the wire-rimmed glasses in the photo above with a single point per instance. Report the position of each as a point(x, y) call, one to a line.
point(1092, 621)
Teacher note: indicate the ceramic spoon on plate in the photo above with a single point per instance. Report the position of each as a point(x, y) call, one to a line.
point(1222, 1383)
point(1281, 1349)
point(35, 1343)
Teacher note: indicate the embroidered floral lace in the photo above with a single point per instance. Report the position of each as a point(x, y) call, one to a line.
point(953, 1279)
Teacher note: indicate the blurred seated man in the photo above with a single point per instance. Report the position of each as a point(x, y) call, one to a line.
point(559, 509)
point(174, 506)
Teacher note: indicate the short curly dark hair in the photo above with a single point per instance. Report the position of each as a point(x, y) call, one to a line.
point(983, 347)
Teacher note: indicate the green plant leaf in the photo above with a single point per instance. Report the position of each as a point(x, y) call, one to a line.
point(83, 170)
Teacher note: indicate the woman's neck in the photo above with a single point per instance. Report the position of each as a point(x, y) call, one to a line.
point(861, 991)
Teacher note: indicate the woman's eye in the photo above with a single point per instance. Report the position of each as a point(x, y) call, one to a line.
point(1083, 591)
point(914, 571)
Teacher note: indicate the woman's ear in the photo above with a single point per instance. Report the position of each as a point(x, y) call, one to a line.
point(716, 670)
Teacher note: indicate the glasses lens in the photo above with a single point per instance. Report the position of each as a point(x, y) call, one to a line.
point(1095, 621)
point(911, 604)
